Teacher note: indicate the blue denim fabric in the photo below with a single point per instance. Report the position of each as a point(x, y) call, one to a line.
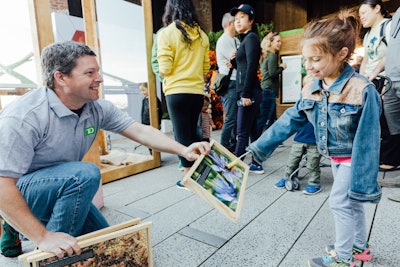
point(349, 215)
point(247, 124)
point(228, 132)
point(346, 124)
point(61, 197)
point(267, 110)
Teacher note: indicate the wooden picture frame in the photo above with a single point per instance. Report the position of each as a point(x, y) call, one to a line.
point(128, 243)
point(220, 179)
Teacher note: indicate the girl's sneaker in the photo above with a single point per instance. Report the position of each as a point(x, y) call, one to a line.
point(360, 254)
point(180, 166)
point(331, 260)
point(181, 186)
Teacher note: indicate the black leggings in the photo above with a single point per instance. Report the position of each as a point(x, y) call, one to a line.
point(390, 144)
point(184, 111)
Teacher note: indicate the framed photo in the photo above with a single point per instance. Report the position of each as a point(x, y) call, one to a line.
point(220, 179)
point(126, 244)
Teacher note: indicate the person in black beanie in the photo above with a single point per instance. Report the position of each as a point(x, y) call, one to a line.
point(247, 83)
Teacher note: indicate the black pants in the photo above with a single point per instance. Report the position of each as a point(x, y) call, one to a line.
point(184, 111)
point(390, 145)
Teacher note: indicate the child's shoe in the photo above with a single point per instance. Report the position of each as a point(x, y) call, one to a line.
point(360, 254)
point(10, 242)
point(331, 260)
point(180, 166)
point(280, 184)
point(312, 189)
point(181, 186)
point(255, 168)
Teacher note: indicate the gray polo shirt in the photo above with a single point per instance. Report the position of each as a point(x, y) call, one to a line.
point(38, 131)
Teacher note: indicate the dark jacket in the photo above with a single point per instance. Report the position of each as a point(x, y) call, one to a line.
point(247, 57)
point(145, 112)
point(306, 134)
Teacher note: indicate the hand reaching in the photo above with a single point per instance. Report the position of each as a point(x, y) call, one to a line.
point(59, 244)
point(193, 151)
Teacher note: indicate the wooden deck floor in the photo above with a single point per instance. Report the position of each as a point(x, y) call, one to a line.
point(276, 227)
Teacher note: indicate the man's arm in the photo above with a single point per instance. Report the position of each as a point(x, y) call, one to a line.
point(155, 139)
point(16, 212)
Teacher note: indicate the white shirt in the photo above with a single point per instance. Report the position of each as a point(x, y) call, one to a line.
point(226, 45)
point(374, 47)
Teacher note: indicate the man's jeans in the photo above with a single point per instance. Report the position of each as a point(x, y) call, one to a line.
point(61, 197)
point(228, 132)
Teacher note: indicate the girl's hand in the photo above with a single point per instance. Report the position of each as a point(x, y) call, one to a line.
point(246, 102)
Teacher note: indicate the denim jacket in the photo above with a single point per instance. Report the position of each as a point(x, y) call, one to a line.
point(346, 124)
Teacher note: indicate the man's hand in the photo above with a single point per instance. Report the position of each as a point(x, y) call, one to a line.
point(59, 244)
point(192, 152)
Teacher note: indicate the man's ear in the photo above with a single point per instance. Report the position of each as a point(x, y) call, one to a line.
point(59, 77)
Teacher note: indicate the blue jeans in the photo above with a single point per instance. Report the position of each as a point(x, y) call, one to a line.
point(228, 132)
point(61, 197)
point(267, 110)
point(247, 124)
point(348, 215)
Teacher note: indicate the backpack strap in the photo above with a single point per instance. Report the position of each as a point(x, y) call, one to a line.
point(382, 33)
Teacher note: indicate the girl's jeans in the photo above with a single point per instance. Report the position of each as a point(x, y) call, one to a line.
point(61, 197)
point(349, 215)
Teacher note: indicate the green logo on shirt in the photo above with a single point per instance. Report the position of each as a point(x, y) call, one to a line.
point(90, 130)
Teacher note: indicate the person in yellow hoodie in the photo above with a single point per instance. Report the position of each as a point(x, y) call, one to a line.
point(183, 60)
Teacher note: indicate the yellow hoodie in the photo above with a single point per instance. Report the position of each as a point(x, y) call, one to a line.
point(183, 66)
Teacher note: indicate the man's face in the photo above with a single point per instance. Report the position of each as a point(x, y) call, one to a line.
point(83, 84)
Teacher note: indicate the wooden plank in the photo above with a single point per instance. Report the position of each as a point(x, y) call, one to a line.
point(128, 243)
point(148, 29)
point(111, 173)
point(291, 45)
point(392, 182)
point(40, 18)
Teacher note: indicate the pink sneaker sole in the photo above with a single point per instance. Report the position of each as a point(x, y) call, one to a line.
point(366, 255)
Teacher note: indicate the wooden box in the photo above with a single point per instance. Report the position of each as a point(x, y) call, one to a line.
point(213, 179)
point(125, 244)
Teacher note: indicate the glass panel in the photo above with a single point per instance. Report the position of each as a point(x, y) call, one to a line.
point(122, 46)
point(17, 66)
